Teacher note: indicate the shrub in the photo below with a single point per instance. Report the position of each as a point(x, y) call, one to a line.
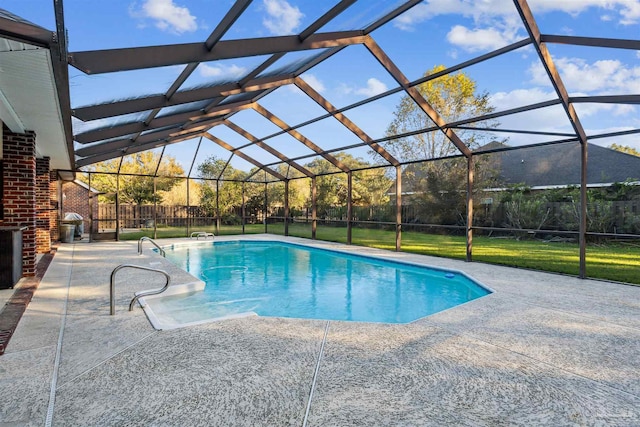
point(230, 219)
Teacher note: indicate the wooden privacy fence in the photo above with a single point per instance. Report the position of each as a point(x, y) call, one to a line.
point(604, 216)
point(143, 216)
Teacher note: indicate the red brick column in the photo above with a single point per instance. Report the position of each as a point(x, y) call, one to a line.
point(19, 176)
point(43, 206)
point(54, 201)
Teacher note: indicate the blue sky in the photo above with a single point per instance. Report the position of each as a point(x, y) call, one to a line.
point(434, 32)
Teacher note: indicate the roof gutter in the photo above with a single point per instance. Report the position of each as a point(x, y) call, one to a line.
point(59, 54)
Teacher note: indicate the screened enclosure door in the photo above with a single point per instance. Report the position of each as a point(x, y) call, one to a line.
point(105, 218)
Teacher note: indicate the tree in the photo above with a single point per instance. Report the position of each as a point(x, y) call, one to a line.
point(177, 195)
point(368, 186)
point(440, 185)
point(135, 188)
point(299, 190)
point(523, 210)
point(454, 96)
point(229, 188)
point(625, 149)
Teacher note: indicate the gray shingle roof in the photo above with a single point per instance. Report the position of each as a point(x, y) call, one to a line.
point(10, 16)
point(559, 164)
point(548, 165)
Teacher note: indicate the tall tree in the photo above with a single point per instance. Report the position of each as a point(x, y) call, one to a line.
point(439, 185)
point(454, 96)
point(177, 195)
point(229, 186)
point(137, 188)
point(369, 186)
point(299, 190)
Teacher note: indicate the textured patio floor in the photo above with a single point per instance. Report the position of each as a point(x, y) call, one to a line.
point(543, 349)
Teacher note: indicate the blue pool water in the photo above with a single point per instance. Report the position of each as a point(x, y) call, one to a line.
point(286, 280)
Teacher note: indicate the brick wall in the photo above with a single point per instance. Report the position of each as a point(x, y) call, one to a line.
point(43, 206)
point(76, 199)
point(19, 191)
point(54, 220)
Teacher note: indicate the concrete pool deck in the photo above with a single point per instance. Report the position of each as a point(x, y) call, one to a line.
point(544, 349)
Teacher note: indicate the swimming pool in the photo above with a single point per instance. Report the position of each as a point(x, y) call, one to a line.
point(278, 279)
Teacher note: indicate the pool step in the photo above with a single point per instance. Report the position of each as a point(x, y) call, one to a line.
point(192, 311)
point(195, 286)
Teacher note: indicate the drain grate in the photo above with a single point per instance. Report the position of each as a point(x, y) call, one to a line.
point(4, 339)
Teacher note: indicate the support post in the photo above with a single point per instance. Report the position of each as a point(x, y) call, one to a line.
point(155, 208)
point(398, 208)
point(59, 210)
point(314, 208)
point(188, 211)
point(91, 202)
point(243, 207)
point(217, 207)
point(470, 175)
point(286, 208)
point(117, 208)
point(266, 204)
point(349, 206)
point(563, 95)
point(583, 212)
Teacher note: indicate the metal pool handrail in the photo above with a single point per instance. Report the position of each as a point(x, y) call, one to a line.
point(112, 284)
point(142, 239)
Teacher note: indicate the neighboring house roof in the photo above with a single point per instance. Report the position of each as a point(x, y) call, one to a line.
point(548, 166)
point(86, 186)
point(560, 165)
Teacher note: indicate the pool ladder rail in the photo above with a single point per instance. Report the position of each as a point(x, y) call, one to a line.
point(153, 242)
point(112, 284)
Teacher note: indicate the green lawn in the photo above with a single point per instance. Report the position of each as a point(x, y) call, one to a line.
point(617, 262)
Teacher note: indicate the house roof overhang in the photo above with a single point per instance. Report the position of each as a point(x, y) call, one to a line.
point(34, 92)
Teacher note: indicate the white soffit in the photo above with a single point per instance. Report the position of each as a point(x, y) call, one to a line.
point(28, 89)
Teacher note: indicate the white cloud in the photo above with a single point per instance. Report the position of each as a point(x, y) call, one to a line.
point(232, 71)
point(419, 13)
point(553, 118)
point(628, 140)
point(496, 22)
point(549, 119)
point(478, 10)
point(282, 17)
point(597, 78)
point(588, 109)
point(567, 30)
point(624, 110)
point(167, 15)
point(627, 11)
point(477, 39)
point(519, 97)
point(373, 88)
point(314, 82)
point(631, 14)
